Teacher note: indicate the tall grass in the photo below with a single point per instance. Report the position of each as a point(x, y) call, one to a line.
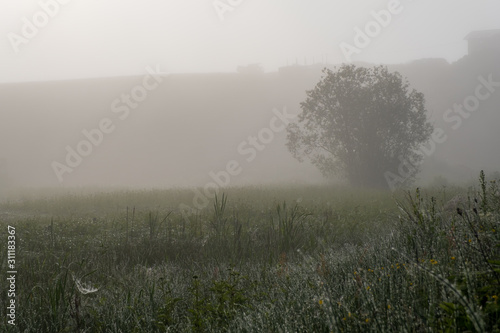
point(303, 259)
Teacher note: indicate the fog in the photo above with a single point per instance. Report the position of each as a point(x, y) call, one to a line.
point(212, 75)
point(114, 38)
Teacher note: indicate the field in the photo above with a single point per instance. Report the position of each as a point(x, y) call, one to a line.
point(262, 259)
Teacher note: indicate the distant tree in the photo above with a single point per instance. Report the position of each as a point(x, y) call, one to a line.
point(360, 123)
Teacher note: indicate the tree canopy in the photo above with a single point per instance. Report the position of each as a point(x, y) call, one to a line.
point(360, 123)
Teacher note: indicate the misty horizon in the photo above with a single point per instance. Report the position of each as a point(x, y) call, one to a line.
point(190, 37)
point(167, 94)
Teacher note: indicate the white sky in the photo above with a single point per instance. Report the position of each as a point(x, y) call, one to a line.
point(93, 38)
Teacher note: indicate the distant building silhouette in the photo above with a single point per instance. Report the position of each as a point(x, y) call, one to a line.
point(484, 42)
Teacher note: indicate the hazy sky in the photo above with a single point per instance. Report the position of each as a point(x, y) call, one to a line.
point(92, 38)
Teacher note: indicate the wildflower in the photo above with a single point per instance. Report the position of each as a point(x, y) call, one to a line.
point(495, 297)
point(434, 262)
point(355, 273)
point(367, 320)
point(453, 258)
point(368, 288)
point(470, 240)
point(349, 315)
point(388, 306)
point(344, 318)
point(320, 302)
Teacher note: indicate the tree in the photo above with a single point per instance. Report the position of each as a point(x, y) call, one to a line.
point(361, 123)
